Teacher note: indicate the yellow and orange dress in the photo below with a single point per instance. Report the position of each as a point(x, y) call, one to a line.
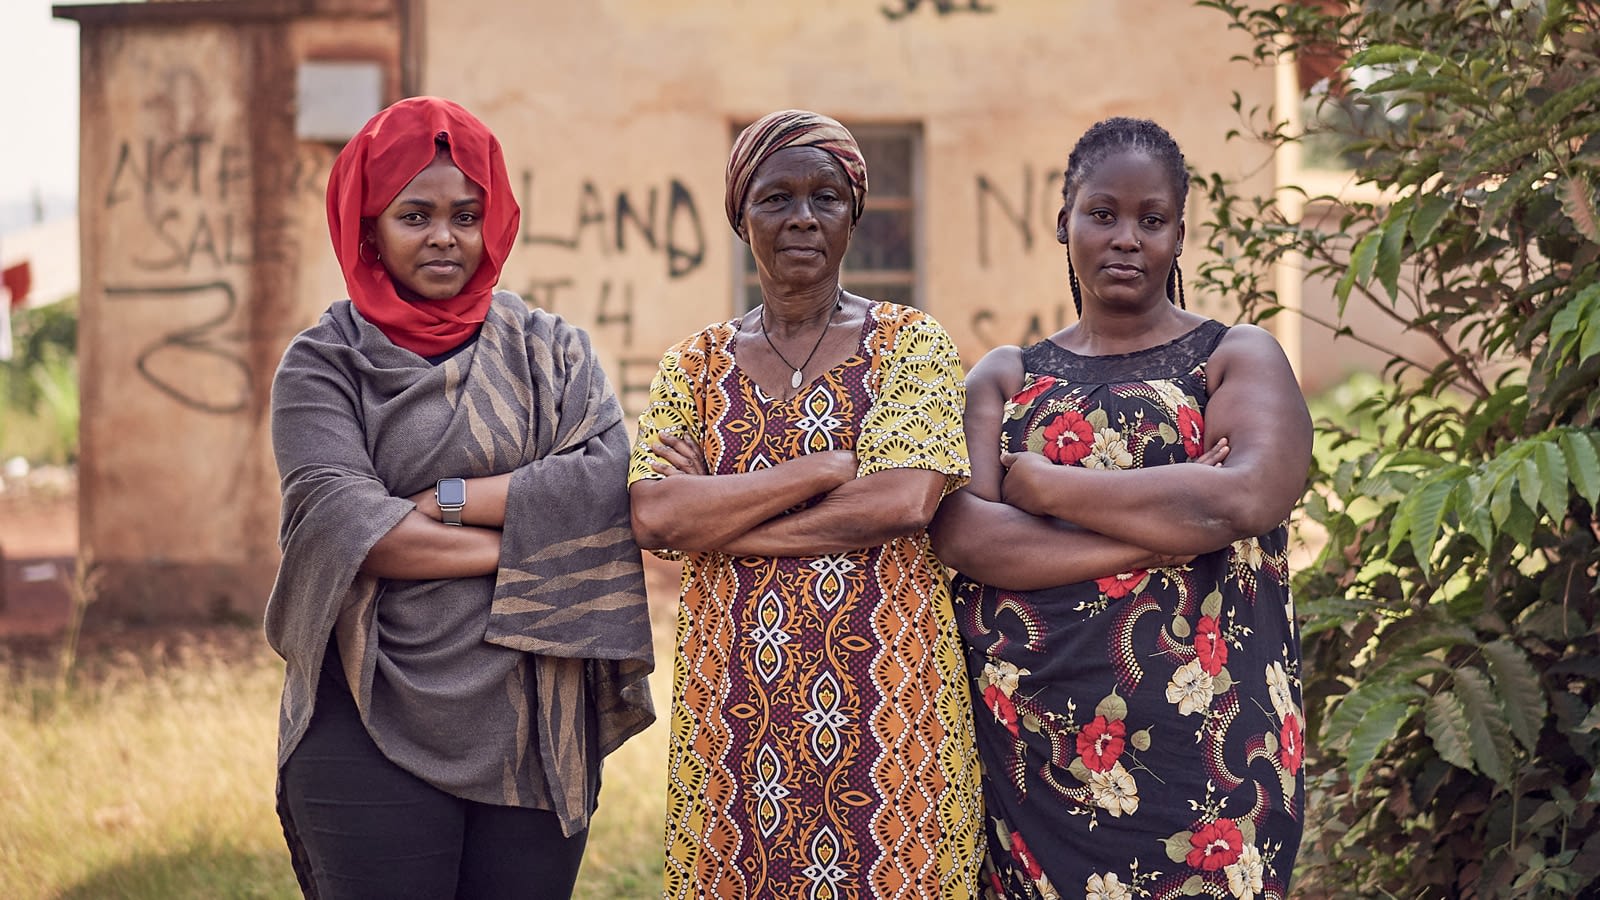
point(822, 738)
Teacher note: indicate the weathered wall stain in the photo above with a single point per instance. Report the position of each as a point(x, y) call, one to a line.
point(201, 366)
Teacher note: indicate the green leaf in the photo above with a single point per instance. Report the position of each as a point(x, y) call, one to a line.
point(1490, 739)
point(1178, 846)
point(1583, 463)
point(1113, 708)
point(1530, 481)
point(1421, 634)
point(1475, 517)
point(1140, 739)
point(1572, 319)
point(1566, 102)
point(1445, 723)
point(1377, 728)
point(1362, 256)
point(1424, 509)
point(1080, 770)
point(1500, 500)
point(1390, 54)
point(1389, 256)
point(1356, 705)
point(1520, 524)
point(1425, 221)
point(1552, 476)
point(1590, 345)
point(1578, 202)
point(1515, 189)
point(1517, 683)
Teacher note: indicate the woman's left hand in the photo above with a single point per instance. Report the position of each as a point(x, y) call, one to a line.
point(427, 504)
point(675, 455)
point(1025, 480)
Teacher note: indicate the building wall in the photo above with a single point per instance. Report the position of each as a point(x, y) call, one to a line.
point(205, 245)
point(202, 247)
point(634, 98)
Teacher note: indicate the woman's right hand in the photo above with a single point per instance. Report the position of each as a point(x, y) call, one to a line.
point(677, 455)
point(1215, 455)
point(841, 465)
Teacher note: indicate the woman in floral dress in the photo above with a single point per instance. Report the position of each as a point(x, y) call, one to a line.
point(1127, 620)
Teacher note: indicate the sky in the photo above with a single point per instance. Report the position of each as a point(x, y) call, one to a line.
point(39, 68)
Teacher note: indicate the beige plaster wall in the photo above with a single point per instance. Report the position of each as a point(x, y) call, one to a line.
point(204, 252)
point(638, 97)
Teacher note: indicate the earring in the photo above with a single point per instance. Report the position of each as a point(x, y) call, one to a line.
point(361, 253)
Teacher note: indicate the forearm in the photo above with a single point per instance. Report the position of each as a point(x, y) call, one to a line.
point(707, 512)
point(1176, 509)
point(486, 502)
point(418, 548)
point(864, 512)
point(1010, 549)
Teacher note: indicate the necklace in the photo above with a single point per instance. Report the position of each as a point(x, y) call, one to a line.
point(794, 380)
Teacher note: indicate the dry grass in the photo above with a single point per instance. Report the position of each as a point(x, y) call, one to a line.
point(149, 775)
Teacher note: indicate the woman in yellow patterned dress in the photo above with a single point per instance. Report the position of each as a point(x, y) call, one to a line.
point(821, 738)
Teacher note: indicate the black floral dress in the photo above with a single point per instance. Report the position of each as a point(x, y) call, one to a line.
point(1141, 734)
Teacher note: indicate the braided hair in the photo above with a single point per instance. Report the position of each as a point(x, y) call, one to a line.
point(1108, 138)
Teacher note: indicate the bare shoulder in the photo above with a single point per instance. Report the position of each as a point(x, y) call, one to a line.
point(1252, 349)
point(1000, 371)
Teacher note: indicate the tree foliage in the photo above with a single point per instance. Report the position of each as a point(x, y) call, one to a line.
point(1450, 620)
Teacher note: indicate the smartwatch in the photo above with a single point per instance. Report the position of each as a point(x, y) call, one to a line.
point(452, 496)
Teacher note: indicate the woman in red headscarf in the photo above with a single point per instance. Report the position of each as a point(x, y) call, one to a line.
point(452, 467)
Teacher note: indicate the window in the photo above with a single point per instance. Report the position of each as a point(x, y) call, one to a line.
point(882, 262)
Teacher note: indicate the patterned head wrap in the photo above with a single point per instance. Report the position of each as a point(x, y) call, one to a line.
point(792, 128)
point(390, 150)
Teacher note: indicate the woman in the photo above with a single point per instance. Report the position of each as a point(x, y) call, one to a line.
point(1143, 731)
point(821, 742)
point(452, 468)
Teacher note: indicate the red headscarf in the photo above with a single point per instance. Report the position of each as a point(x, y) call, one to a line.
point(389, 151)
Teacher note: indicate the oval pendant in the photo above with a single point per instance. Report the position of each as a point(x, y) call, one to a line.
point(794, 381)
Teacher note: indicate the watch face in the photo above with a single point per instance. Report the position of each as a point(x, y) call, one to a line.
point(451, 492)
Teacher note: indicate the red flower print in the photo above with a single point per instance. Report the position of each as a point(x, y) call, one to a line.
point(1216, 845)
point(1115, 587)
point(1068, 438)
point(1100, 743)
point(1005, 712)
point(1291, 743)
point(1192, 428)
point(1024, 857)
point(1209, 646)
point(1032, 392)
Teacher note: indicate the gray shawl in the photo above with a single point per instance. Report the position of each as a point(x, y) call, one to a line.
point(555, 648)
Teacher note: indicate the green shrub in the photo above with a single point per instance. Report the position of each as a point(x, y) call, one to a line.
point(39, 386)
point(1452, 668)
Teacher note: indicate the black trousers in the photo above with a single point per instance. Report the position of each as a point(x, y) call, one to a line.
point(369, 830)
